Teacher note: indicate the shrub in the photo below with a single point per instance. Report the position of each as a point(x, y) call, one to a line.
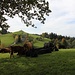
point(39, 38)
point(18, 39)
point(30, 38)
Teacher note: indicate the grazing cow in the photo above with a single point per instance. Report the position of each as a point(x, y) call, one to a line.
point(5, 50)
point(18, 49)
point(21, 50)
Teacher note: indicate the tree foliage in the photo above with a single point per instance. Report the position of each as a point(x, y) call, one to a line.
point(60, 41)
point(18, 39)
point(3, 25)
point(45, 35)
point(25, 9)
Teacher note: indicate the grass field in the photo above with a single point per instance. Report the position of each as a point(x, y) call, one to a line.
point(55, 63)
point(7, 39)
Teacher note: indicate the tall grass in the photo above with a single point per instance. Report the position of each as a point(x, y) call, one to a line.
point(55, 63)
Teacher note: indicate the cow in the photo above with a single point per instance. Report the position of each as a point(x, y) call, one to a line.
point(5, 50)
point(28, 48)
point(50, 46)
point(21, 50)
point(16, 49)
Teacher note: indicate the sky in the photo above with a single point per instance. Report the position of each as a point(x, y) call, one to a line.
point(60, 21)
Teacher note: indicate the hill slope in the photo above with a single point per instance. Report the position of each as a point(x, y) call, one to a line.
point(7, 39)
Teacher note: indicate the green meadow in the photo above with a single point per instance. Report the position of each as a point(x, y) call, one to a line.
point(7, 39)
point(61, 62)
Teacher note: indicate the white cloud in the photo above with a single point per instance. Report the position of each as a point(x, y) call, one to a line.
point(62, 18)
point(60, 21)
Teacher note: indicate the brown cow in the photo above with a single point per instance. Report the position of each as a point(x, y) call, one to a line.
point(5, 50)
point(16, 49)
point(28, 48)
point(25, 50)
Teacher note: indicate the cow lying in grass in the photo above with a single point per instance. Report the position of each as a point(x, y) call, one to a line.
point(51, 46)
point(5, 50)
point(29, 50)
point(28, 47)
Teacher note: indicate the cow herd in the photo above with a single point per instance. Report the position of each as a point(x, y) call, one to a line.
point(28, 50)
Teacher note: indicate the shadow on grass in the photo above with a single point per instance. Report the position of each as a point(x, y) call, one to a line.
point(56, 63)
point(23, 66)
point(18, 66)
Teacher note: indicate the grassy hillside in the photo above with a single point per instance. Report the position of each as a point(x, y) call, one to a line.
point(7, 39)
point(41, 43)
point(55, 63)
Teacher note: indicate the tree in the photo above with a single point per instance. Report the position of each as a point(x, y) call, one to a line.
point(27, 10)
point(3, 25)
point(73, 44)
point(44, 35)
point(18, 39)
point(56, 43)
point(64, 43)
point(52, 35)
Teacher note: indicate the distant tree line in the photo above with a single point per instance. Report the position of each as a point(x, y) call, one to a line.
point(59, 40)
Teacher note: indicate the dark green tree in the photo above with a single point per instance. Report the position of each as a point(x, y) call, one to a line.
point(64, 43)
point(73, 44)
point(52, 35)
point(18, 39)
point(45, 35)
point(27, 10)
point(56, 43)
point(3, 25)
